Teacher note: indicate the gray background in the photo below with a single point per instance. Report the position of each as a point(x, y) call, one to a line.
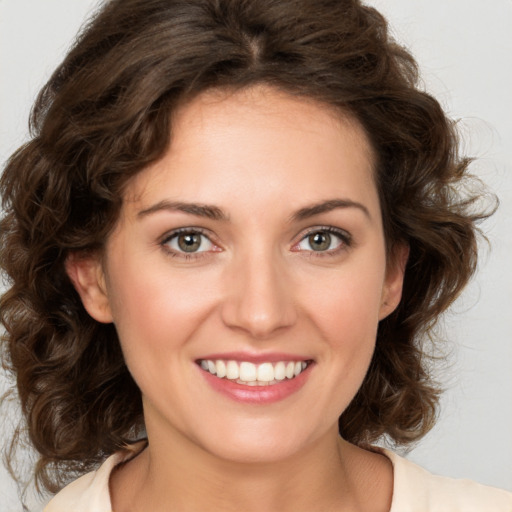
point(464, 48)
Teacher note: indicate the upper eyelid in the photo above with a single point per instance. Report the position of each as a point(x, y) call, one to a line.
point(189, 229)
point(343, 233)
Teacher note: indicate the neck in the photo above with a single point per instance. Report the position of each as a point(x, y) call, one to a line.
point(174, 471)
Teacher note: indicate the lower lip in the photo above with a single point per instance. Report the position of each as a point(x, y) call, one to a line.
point(257, 394)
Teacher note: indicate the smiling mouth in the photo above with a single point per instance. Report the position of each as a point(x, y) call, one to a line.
point(250, 374)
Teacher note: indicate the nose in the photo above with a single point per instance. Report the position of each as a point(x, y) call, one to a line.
point(259, 297)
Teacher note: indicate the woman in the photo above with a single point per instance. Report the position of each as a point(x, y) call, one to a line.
point(233, 228)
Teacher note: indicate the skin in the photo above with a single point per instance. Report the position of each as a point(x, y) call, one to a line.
point(256, 286)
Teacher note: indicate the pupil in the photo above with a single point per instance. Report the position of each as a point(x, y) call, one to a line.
point(189, 242)
point(320, 241)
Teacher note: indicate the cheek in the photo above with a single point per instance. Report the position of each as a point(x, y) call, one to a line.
point(348, 302)
point(158, 313)
point(345, 310)
point(155, 321)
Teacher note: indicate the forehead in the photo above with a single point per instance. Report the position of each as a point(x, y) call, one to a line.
point(256, 142)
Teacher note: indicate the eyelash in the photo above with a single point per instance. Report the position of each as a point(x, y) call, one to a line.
point(344, 237)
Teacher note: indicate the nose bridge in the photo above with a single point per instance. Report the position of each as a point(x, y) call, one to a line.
point(260, 299)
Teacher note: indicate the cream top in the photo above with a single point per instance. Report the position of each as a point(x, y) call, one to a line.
point(414, 490)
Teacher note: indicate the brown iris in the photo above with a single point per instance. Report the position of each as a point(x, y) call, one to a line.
point(189, 242)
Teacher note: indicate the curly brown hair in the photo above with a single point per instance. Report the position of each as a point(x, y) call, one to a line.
point(105, 115)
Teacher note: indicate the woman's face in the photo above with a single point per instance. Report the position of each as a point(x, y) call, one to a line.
point(253, 247)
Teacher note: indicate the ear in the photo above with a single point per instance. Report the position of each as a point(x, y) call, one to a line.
point(87, 275)
point(392, 290)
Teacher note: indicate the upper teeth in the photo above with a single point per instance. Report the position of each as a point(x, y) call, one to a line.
point(246, 372)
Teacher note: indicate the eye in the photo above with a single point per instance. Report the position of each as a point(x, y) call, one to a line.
point(323, 240)
point(188, 241)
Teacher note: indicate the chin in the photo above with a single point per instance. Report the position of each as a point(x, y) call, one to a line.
point(259, 442)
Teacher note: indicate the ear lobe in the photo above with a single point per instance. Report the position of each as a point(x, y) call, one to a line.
point(392, 291)
point(86, 274)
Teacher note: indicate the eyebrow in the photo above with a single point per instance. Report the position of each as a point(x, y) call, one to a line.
point(200, 210)
point(216, 213)
point(327, 206)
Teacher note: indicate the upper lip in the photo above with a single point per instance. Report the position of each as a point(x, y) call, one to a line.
point(271, 357)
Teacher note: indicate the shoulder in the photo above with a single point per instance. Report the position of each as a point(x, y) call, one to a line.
point(90, 492)
point(417, 490)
